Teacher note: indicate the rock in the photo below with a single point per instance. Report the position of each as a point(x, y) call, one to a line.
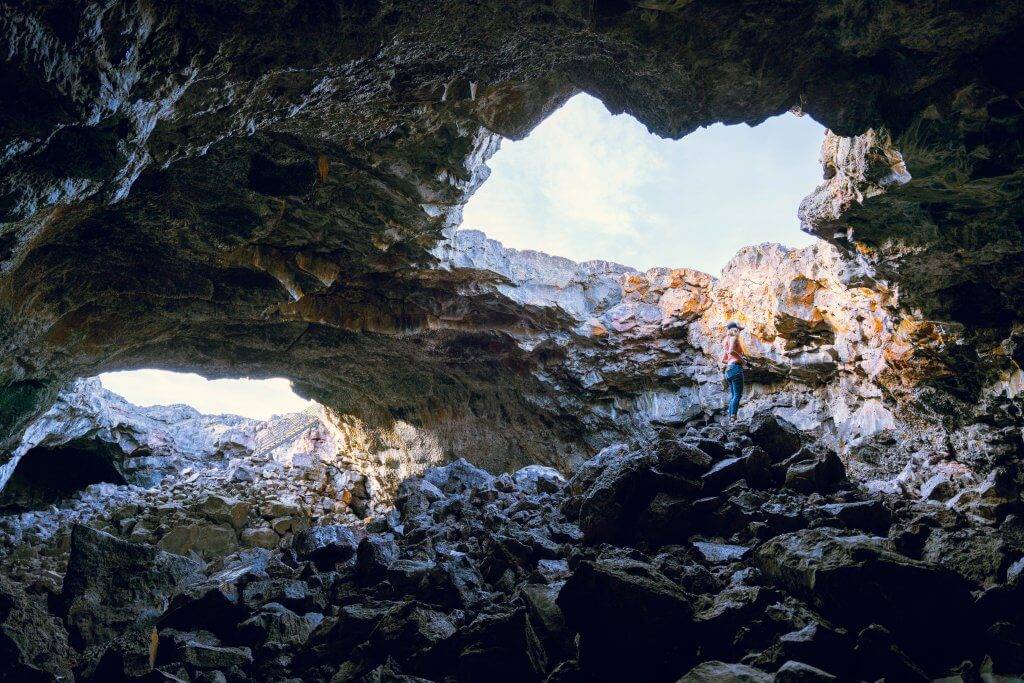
point(410, 630)
point(667, 519)
point(277, 625)
point(619, 493)
point(374, 556)
point(720, 552)
point(202, 651)
point(33, 643)
point(545, 621)
point(281, 508)
point(865, 515)
point(497, 646)
point(538, 479)
point(816, 472)
point(679, 457)
point(207, 540)
point(778, 438)
point(798, 672)
point(856, 579)
point(713, 671)
point(225, 511)
point(640, 601)
point(415, 496)
point(326, 545)
point(112, 584)
point(260, 537)
point(753, 466)
point(458, 476)
point(976, 554)
point(937, 487)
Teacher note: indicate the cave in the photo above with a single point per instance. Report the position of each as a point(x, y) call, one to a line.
point(496, 484)
point(45, 476)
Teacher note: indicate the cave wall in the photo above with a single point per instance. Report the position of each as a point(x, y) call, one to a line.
point(260, 188)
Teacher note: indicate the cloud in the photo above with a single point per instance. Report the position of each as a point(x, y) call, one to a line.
point(586, 184)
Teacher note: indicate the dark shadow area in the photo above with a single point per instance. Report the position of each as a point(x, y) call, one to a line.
point(45, 476)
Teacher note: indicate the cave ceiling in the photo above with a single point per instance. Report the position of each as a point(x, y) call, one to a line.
point(261, 187)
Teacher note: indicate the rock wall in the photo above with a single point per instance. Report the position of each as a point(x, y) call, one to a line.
point(262, 190)
point(835, 354)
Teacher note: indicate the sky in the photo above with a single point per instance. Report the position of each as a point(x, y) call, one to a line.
point(589, 185)
point(255, 398)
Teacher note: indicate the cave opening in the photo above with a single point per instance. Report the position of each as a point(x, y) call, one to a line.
point(589, 185)
point(257, 399)
point(48, 475)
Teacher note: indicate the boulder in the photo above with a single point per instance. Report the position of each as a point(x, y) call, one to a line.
point(777, 437)
point(857, 580)
point(33, 644)
point(111, 584)
point(260, 537)
point(653, 618)
point(680, 457)
point(208, 540)
point(754, 466)
point(798, 672)
point(719, 672)
point(815, 472)
point(326, 545)
point(538, 479)
point(223, 510)
point(374, 556)
point(458, 476)
point(667, 519)
point(865, 515)
point(610, 506)
point(276, 625)
point(498, 647)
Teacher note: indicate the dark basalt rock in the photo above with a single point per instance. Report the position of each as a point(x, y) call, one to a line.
point(855, 578)
point(489, 580)
point(326, 545)
point(33, 643)
point(112, 585)
point(778, 438)
point(654, 632)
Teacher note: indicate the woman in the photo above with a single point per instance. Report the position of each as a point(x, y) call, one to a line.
point(732, 357)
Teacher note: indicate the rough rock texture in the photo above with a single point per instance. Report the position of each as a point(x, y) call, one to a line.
point(482, 577)
point(270, 188)
point(838, 361)
point(262, 188)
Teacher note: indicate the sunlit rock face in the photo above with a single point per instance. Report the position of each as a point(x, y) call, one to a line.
point(834, 355)
point(262, 189)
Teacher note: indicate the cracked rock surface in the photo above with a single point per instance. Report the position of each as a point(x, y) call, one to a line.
point(709, 558)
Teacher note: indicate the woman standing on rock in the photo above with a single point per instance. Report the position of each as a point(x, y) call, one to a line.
point(732, 358)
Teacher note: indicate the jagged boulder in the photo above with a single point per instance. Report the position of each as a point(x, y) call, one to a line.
point(112, 585)
point(458, 476)
point(326, 545)
point(810, 471)
point(857, 580)
point(653, 632)
point(715, 672)
point(374, 556)
point(33, 644)
point(609, 508)
point(777, 437)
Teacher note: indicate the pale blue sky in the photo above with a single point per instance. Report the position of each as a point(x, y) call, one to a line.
point(589, 185)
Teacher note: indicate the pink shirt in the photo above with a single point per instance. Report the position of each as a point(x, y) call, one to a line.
point(733, 351)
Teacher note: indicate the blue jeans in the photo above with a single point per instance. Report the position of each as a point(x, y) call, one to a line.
point(734, 375)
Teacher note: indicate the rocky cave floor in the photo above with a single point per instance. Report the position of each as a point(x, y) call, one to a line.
point(712, 554)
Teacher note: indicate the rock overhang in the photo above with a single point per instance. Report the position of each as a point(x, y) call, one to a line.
point(263, 189)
